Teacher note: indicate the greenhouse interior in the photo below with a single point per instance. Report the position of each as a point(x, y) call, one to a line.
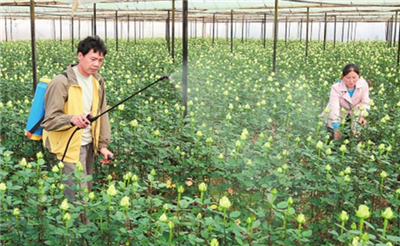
point(214, 122)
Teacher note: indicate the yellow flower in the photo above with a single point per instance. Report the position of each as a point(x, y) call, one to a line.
point(213, 206)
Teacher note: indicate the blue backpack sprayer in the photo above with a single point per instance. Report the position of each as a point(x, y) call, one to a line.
point(33, 129)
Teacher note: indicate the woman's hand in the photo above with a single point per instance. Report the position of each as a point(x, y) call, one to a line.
point(337, 135)
point(362, 121)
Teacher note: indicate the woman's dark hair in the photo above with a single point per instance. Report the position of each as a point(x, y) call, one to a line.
point(350, 68)
point(92, 42)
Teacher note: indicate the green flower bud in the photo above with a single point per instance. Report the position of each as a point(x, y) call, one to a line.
point(91, 195)
point(202, 187)
point(61, 165)
point(39, 155)
point(171, 225)
point(111, 191)
point(64, 205)
point(163, 218)
point(67, 217)
point(55, 169)
point(224, 203)
point(344, 216)
point(290, 201)
point(365, 237)
point(23, 162)
point(363, 212)
point(328, 167)
point(79, 166)
point(181, 189)
point(125, 202)
point(3, 186)
point(388, 214)
point(214, 242)
point(301, 218)
point(153, 172)
point(347, 170)
point(16, 212)
point(383, 174)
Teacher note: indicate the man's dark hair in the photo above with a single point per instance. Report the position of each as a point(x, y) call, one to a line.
point(92, 42)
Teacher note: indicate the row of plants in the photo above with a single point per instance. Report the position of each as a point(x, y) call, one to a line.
point(251, 136)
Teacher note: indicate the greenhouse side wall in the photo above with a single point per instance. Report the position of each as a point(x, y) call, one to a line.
point(19, 29)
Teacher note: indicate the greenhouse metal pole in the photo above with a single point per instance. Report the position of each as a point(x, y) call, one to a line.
point(129, 28)
point(301, 29)
point(184, 54)
point(33, 44)
point(54, 29)
point(275, 36)
point(334, 33)
point(286, 30)
point(308, 20)
point(348, 31)
point(116, 31)
point(325, 27)
point(79, 28)
point(72, 34)
point(231, 30)
point(213, 29)
point(173, 31)
point(167, 32)
point(398, 53)
point(94, 20)
point(395, 29)
point(343, 30)
point(60, 29)
point(264, 29)
point(11, 32)
point(311, 28)
point(5, 28)
point(134, 29)
point(242, 29)
point(105, 28)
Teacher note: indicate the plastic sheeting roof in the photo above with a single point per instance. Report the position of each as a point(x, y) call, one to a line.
point(249, 10)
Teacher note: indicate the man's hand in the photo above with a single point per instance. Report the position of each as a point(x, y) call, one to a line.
point(105, 152)
point(80, 121)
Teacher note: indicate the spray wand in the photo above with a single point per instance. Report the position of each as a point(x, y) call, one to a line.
point(94, 118)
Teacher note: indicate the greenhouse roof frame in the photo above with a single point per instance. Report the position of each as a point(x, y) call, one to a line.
point(204, 10)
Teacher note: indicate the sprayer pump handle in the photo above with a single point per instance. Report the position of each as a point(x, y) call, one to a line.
point(91, 118)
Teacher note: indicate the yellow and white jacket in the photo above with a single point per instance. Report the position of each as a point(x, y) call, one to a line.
point(63, 99)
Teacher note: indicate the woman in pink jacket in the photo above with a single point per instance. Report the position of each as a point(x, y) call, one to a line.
point(348, 101)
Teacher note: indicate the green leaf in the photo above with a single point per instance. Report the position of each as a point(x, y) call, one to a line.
point(307, 233)
point(282, 205)
point(393, 238)
point(234, 214)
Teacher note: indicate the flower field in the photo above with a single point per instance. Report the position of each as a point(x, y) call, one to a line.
point(250, 163)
